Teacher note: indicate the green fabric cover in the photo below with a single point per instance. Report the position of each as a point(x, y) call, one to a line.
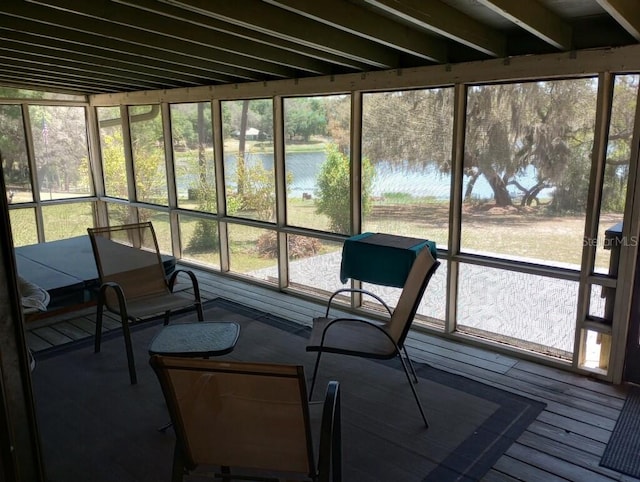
point(381, 259)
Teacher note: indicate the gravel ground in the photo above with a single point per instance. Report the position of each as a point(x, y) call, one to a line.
point(489, 299)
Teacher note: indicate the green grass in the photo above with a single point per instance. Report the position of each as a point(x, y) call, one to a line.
point(405, 198)
point(519, 235)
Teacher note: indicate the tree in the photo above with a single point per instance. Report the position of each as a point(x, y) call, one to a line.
point(616, 174)
point(60, 147)
point(305, 116)
point(547, 125)
point(513, 129)
point(15, 164)
point(149, 180)
point(332, 196)
point(205, 236)
point(255, 185)
point(409, 127)
point(338, 114)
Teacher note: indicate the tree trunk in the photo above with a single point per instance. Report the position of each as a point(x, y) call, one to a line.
point(202, 161)
point(500, 192)
point(532, 195)
point(469, 190)
point(240, 165)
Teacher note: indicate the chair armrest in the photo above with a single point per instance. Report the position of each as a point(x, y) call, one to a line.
point(356, 290)
point(330, 456)
point(122, 302)
point(192, 277)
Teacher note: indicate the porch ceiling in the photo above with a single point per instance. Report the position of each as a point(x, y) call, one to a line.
point(105, 46)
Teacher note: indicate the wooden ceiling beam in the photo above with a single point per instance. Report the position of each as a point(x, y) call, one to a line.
point(367, 24)
point(444, 20)
point(626, 13)
point(63, 75)
point(50, 13)
point(536, 19)
point(79, 41)
point(268, 19)
point(57, 51)
point(237, 35)
point(227, 47)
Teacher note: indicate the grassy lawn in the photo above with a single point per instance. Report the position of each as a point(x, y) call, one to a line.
point(511, 234)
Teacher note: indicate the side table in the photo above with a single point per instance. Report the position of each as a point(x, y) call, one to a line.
point(200, 339)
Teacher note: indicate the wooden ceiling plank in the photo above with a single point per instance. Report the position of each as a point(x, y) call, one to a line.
point(66, 56)
point(60, 70)
point(95, 70)
point(48, 14)
point(79, 41)
point(365, 23)
point(153, 22)
point(626, 13)
point(62, 79)
point(252, 36)
point(49, 85)
point(274, 21)
point(444, 20)
point(536, 19)
point(200, 31)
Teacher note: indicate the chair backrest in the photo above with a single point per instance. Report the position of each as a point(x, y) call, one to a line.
point(129, 255)
point(423, 268)
point(236, 414)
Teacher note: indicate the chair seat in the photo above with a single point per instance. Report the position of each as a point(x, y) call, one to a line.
point(143, 306)
point(200, 339)
point(350, 337)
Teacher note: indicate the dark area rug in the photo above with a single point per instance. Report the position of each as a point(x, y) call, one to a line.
point(95, 426)
point(622, 453)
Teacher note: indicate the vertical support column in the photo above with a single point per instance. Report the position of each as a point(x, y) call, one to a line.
point(625, 330)
point(35, 181)
point(594, 200)
point(356, 163)
point(218, 153)
point(95, 166)
point(281, 191)
point(167, 134)
point(128, 159)
point(356, 180)
point(455, 207)
point(20, 458)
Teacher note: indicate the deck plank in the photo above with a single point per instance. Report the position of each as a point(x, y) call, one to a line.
point(565, 453)
point(554, 464)
point(71, 330)
point(52, 335)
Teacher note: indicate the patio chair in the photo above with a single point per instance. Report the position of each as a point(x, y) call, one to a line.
point(248, 421)
point(133, 283)
point(380, 340)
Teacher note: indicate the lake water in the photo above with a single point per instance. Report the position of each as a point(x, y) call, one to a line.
point(430, 182)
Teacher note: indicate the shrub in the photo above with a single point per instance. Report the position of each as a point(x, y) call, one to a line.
point(299, 246)
point(205, 235)
point(334, 186)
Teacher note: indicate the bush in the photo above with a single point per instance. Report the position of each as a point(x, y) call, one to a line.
point(205, 235)
point(299, 246)
point(334, 186)
point(257, 193)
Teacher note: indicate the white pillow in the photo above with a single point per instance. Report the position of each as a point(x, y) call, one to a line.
point(33, 297)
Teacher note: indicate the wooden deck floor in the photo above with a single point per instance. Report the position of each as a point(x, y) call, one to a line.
point(564, 443)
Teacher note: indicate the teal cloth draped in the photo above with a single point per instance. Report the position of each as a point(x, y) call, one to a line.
point(382, 259)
